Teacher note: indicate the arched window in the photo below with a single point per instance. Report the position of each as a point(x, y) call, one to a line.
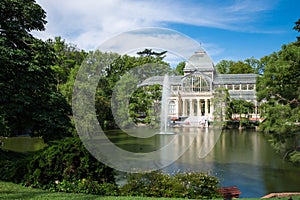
point(195, 83)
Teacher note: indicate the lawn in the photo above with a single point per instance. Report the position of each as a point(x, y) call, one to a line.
point(11, 191)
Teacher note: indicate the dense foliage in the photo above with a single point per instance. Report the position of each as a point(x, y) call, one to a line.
point(297, 28)
point(13, 165)
point(68, 59)
point(64, 165)
point(116, 67)
point(29, 103)
point(250, 65)
point(66, 160)
point(181, 185)
point(221, 102)
point(145, 105)
point(180, 67)
point(279, 91)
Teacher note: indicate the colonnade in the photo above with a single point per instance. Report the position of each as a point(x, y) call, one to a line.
point(195, 107)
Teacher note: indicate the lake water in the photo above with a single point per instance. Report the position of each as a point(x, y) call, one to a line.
point(22, 143)
point(241, 158)
point(238, 158)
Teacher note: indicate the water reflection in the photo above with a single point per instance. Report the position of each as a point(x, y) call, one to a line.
point(244, 159)
point(22, 143)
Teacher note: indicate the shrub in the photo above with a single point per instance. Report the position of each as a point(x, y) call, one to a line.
point(13, 165)
point(67, 162)
point(182, 185)
point(295, 157)
point(198, 185)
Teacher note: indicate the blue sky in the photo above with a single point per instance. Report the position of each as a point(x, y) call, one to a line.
point(231, 30)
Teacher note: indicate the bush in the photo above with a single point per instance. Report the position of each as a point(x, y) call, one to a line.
point(66, 166)
point(182, 185)
point(13, 165)
point(295, 157)
point(63, 165)
point(85, 186)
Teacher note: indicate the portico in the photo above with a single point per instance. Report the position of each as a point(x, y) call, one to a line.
point(193, 106)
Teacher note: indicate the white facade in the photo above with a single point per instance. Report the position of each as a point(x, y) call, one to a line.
point(192, 94)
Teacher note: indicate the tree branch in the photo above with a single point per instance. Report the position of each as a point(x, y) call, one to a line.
point(286, 100)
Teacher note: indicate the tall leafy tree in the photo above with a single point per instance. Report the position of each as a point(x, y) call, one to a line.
point(241, 106)
point(114, 68)
point(256, 65)
point(223, 66)
point(240, 68)
point(297, 28)
point(250, 65)
point(279, 88)
point(28, 100)
point(222, 110)
point(145, 105)
point(67, 57)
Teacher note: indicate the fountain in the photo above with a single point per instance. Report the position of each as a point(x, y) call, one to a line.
point(164, 106)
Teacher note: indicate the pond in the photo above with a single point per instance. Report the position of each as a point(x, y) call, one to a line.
point(238, 158)
point(244, 159)
point(22, 143)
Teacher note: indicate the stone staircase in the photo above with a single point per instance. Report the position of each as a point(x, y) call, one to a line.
point(195, 121)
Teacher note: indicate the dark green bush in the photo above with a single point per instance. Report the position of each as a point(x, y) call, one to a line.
point(67, 162)
point(182, 185)
point(295, 157)
point(13, 165)
point(66, 166)
point(85, 186)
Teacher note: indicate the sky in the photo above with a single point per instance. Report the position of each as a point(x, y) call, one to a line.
point(226, 30)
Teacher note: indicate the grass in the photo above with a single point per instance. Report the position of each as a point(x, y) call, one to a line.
point(11, 191)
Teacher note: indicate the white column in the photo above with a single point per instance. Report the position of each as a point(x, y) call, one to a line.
point(183, 107)
point(191, 107)
point(199, 107)
point(206, 107)
point(211, 108)
point(179, 107)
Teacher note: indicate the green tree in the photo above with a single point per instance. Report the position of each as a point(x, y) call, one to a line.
point(279, 89)
point(145, 105)
point(240, 107)
point(146, 100)
point(151, 53)
point(297, 28)
point(109, 74)
point(256, 65)
point(117, 76)
point(223, 66)
point(67, 57)
point(221, 101)
point(29, 102)
point(240, 68)
point(180, 67)
point(250, 65)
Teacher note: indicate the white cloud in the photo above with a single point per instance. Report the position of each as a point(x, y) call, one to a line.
point(179, 47)
point(90, 22)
